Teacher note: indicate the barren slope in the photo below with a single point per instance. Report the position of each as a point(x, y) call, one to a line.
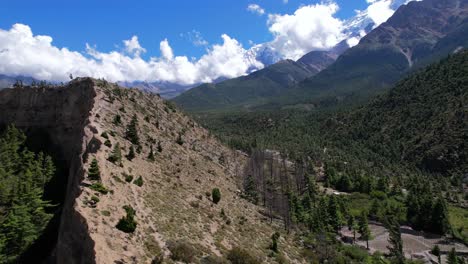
point(172, 204)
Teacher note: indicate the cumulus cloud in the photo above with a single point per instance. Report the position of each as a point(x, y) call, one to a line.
point(132, 46)
point(311, 27)
point(254, 8)
point(379, 11)
point(23, 53)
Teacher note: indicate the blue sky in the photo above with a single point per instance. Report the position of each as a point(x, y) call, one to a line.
point(184, 41)
point(105, 24)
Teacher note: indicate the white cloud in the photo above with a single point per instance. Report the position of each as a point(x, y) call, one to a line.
point(166, 50)
point(254, 8)
point(379, 11)
point(22, 53)
point(132, 46)
point(285, 1)
point(311, 27)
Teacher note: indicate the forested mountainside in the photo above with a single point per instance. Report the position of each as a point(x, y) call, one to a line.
point(417, 34)
point(420, 123)
point(423, 120)
point(240, 91)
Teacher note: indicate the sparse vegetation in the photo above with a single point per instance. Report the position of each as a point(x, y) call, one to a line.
point(127, 223)
point(182, 251)
point(117, 120)
point(131, 154)
point(242, 256)
point(98, 187)
point(128, 177)
point(138, 182)
point(116, 155)
point(216, 195)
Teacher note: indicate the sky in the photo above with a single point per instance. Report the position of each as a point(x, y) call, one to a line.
point(180, 41)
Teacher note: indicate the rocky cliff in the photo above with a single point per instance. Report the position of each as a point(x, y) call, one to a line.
point(178, 162)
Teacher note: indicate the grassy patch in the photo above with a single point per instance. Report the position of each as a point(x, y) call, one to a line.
point(459, 220)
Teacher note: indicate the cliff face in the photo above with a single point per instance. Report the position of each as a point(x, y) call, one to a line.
point(172, 203)
point(63, 114)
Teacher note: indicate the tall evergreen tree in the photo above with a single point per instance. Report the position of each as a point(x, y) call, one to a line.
point(131, 154)
point(396, 243)
point(131, 133)
point(452, 257)
point(334, 215)
point(23, 176)
point(364, 230)
point(93, 172)
point(116, 155)
point(440, 218)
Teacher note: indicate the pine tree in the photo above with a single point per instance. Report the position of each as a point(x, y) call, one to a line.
point(334, 215)
point(151, 154)
point(131, 133)
point(116, 155)
point(23, 175)
point(452, 257)
point(364, 230)
point(396, 243)
point(93, 171)
point(131, 154)
point(440, 218)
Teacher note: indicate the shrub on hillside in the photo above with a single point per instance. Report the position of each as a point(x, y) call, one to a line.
point(127, 223)
point(242, 256)
point(182, 251)
point(138, 182)
point(98, 187)
point(216, 194)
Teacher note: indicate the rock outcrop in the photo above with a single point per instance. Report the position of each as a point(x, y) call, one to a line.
point(87, 120)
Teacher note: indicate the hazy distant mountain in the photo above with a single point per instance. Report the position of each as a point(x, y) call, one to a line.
point(8, 81)
point(167, 90)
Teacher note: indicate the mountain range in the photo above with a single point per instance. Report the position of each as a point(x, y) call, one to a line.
point(417, 34)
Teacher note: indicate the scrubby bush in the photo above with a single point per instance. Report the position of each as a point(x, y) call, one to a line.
point(116, 155)
point(95, 199)
point(127, 223)
point(138, 181)
point(274, 242)
point(104, 135)
point(213, 260)
point(117, 120)
point(181, 251)
point(131, 154)
point(98, 187)
point(241, 256)
point(107, 143)
point(128, 177)
point(216, 194)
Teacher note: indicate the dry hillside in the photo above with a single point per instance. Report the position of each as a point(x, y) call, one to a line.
point(172, 205)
